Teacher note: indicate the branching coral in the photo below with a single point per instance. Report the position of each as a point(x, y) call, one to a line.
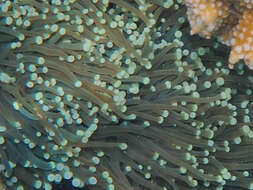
point(230, 20)
point(113, 94)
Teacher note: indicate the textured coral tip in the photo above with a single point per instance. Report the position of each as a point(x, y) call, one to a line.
point(205, 16)
point(242, 46)
point(230, 20)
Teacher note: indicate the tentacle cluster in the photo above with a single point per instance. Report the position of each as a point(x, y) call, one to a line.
point(113, 94)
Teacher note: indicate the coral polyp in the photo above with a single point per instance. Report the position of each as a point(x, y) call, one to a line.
point(115, 94)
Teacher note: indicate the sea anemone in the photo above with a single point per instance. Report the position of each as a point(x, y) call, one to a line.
point(113, 94)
